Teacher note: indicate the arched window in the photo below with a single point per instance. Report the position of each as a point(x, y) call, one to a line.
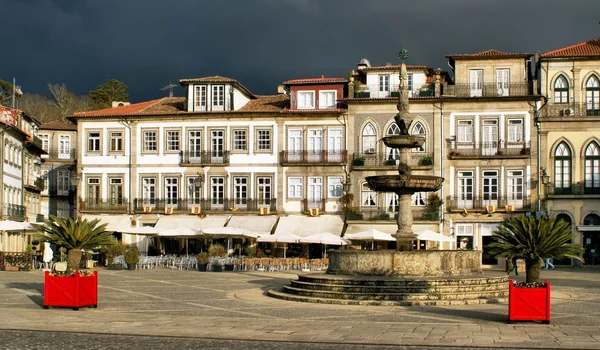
point(391, 154)
point(369, 139)
point(592, 96)
point(592, 168)
point(562, 169)
point(419, 129)
point(561, 90)
point(368, 196)
point(564, 217)
point(592, 219)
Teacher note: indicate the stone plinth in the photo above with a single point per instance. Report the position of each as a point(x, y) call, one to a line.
point(437, 263)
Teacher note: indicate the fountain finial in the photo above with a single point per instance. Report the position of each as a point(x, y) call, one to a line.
point(403, 118)
point(403, 54)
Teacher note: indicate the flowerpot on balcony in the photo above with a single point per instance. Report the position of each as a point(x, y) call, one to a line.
point(75, 291)
point(390, 162)
point(529, 302)
point(358, 162)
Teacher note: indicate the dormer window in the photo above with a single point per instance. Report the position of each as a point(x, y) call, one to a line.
point(200, 97)
point(218, 98)
point(306, 99)
point(327, 99)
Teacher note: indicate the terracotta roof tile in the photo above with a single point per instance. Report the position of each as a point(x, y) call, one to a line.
point(135, 108)
point(270, 103)
point(58, 125)
point(395, 67)
point(321, 80)
point(588, 48)
point(211, 79)
point(490, 54)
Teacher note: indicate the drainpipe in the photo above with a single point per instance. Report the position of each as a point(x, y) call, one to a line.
point(125, 122)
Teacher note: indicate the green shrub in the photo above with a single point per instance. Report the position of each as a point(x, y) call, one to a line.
point(132, 255)
point(250, 251)
point(216, 250)
point(202, 258)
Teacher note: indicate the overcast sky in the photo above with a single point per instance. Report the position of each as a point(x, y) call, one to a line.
point(261, 43)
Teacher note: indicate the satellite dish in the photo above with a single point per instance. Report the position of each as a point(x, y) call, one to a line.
point(170, 88)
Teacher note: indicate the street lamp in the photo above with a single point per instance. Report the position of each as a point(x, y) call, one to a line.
point(545, 177)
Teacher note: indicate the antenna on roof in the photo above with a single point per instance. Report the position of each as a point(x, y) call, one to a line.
point(170, 87)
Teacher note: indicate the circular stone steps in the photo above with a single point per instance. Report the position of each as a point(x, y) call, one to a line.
point(376, 290)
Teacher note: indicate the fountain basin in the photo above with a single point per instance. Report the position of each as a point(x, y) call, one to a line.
point(432, 263)
point(405, 184)
point(404, 141)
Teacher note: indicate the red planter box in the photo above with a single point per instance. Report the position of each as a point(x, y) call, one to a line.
point(70, 291)
point(528, 304)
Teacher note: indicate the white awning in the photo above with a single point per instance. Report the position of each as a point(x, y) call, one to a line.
point(114, 222)
point(388, 228)
point(307, 225)
point(255, 223)
point(193, 221)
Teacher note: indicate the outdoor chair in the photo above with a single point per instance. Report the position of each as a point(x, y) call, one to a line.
point(238, 265)
point(274, 264)
point(315, 264)
point(249, 264)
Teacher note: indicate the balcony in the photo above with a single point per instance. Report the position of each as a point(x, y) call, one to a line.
point(373, 91)
point(308, 204)
point(14, 212)
point(572, 191)
point(115, 206)
point(185, 206)
point(384, 214)
point(570, 110)
point(382, 159)
point(187, 158)
point(34, 183)
point(489, 90)
point(58, 191)
point(479, 203)
point(58, 156)
point(313, 158)
point(34, 141)
point(460, 150)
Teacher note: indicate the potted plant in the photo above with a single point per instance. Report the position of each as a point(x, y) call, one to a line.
point(426, 161)
point(216, 251)
point(250, 251)
point(359, 161)
point(75, 288)
point(132, 257)
point(203, 260)
point(216, 266)
point(532, 239)
point(111, 252)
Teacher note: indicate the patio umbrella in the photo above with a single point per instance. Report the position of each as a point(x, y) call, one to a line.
point(429, 235)
point(284, 237)
point(325, 238)
point(144, 230)
point(371, 235)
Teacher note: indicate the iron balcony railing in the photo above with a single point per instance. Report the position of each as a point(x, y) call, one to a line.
point(310, 157)
point(55, 190)
point(203, 158)
point(116, 205)
point(497, 203)
point(489, 149)
point(574, 189)
point(385, 159)
point(195, 206)
point(489, 90)
point(56, 155)
point(377, 91)
point(388, 214)
point(571, 110)
point(34, 182)
point(14, 211)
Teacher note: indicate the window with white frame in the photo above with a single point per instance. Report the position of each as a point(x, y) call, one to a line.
point(368, 196)
point(217, 190)
point(116, 141)
point(149, 190)
point(562, 168)
point(200, 97)
point(173, 140)
point(327, 99)
point(115, 190)
point(592, 168)
point(464, 131)
point(93, 190)
point(294, 187)
point(418, 199)
point(490, 187)
point(218, 97)
point(514, 186)
point(464, 236)
point(515, 130)
point(409, 80)
point(419, 130)
point(384, 83)
point(45, 142)
point(369, 139)
point(171, 189)
point(240, 190)
point(465, 189)
point(561, 90)
point(264, 190)
point(592, 96)
point(194, 187)
point(263, 140)
point(63, 182)
point(334, 187)
point(64, 146)
point(93, 141)
point(240, 140)
point(150, 141)
point(306, 99)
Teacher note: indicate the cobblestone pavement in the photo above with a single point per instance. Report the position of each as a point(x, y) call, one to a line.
point(233, 306)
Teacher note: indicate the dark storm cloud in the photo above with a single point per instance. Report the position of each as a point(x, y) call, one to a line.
point(147, 43)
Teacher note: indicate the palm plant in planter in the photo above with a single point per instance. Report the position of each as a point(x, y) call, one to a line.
point(203, 260)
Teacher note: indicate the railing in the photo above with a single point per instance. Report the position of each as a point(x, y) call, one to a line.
point(489, 149)
point(310, 157)
point(120, 206)
point(383, 159)
point(55, 155)
point(33, 182)
point(489, 90)
point(574, 189)
point(573, 110)
point(203, 205)
point(308, 204)
point(501, 203)
point(55, 190)
point(384, 214)
point(201, 158)
point(14, 211)
point(36, 141)
point(373, 91)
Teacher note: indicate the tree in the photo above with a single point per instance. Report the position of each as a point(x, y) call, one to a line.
point(6, 91)
point(534, 239)
point(76, 235)
point(112, 90)
point(62, 104)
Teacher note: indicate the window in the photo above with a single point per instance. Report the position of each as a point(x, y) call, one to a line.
point(514, 187)
point(592, 96)
point(294, 187)
point(116, 141)
point(194, 189)
point(503, 81)
point(115, 190)
point(240, 190)
point(306, 99)
point(465, 131)
point(294, 145)
point(172, 140)
point(515, 130)
point(334, 145)
point(418, 199)
point(200, 97)
point(368, 196)
point(561, 90)
point(263, 137)
point(240, 140)
point(217, 188)
point(562, 169)
point(264, 190)
point(93, 190)
point(315, 191)
point(315, 145)
point(195, 144)
point(476, 82)
point(45, 142)
point(150, 141)
point(334, 187)
point(464, 236)
point(409, 78)
point(369, 139)
point(217, 144)
point(171, 190)
point(93, 141)
point(384, 83)
point(465, 189)
point(490, 187)
point(64, 146)
point(218, 97)
point(63, 183)
point(391, 154)
point(419, 130)
point(148, 190)
point(327, 99)
point(592, 168)
point(392, 202)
